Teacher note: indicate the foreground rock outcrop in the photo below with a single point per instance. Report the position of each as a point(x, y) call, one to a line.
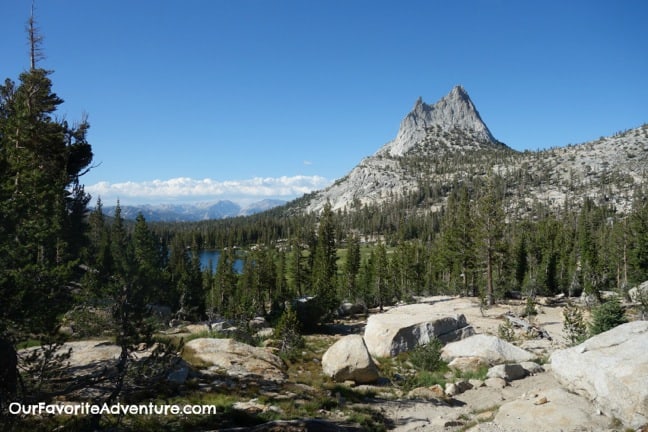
point(610, 369)
point(233, 358)
point(405, 327)
point(545, 411)
point(349, 359)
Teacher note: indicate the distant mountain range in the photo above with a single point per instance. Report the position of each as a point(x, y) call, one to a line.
point(193, 212)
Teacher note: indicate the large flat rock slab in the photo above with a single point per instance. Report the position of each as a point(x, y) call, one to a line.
point(610, 369)
point(233, 358)
point(547, 411)
point(405, 327)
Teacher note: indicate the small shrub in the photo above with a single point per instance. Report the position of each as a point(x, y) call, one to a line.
point(505, 331)
point(607, 316)
point(480, 374)
point(424, 379)
point(427, 357)
point(530, 307)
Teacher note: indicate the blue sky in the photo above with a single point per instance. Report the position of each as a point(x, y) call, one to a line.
point(200, 100)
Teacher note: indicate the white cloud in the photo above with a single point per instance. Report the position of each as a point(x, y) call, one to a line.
point(184, 189)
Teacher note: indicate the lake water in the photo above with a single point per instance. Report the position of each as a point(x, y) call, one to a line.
point(211, 257)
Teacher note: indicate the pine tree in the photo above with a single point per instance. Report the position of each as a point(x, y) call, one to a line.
point(607, 316)
point(521, 262)
point(281, 293)
point(42, 204)
point(190, 287)
point(324, 273)
point(458, 247)
point(639, 247)
point(296, 271)
point(149, 260)
point(381, 276)
point(491, 233)
point(352, 267)
point(221, 298)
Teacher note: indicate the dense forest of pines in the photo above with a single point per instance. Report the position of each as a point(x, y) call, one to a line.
point(58, 256)
point(471, 246)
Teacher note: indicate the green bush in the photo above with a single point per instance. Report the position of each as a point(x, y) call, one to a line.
point(427, 357)
point(607, 316)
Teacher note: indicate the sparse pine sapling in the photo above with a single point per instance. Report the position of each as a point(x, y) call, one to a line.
point(288, 332)
point(574, 325)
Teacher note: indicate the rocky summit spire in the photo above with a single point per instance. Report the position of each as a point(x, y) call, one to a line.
point(453, 111)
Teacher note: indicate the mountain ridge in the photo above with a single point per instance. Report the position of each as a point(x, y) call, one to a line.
point(448, 142)
point(193, 212)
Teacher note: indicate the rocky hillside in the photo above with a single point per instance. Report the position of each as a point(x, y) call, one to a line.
point(438, 145)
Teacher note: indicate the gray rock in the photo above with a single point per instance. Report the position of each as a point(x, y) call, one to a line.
point(453, 389)
point(498, 383)
point(476, 383)
point(508, 372)
point(532, 368)
point(258, 323)
point(265, 333)
point(639, 293)
point(468, 364)
point(433, 393)
point(458, 334)
point(610, 369)
point(347, 309)
point(405, 327)
point(492, 349)
point(349, 359)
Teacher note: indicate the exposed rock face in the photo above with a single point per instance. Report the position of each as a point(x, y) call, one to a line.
point(491, 348)
point(639, 292)
point(403, 328)
point(89, 353)
point(553, 410)
point(234, 359)
point(348, 359)
point(453, 111)
point(610, 369)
